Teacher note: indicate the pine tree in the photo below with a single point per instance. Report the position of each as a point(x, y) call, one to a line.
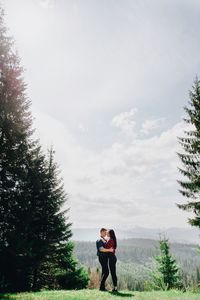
point(46, 225)
point(33, 227)
point(167, 274)
point(15, 133)
point(69, 274)
point(190, 158)
point(49, 232)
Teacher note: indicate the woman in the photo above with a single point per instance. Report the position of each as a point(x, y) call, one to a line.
point(112, 243)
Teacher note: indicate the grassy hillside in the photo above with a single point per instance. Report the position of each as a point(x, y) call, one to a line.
point(96, 295)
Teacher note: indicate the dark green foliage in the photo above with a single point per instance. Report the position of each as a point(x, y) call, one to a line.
point(34, 234)
point(69, 274)
point(61, 270)
point(47, 221)
point(167, 274)
point(190, 158)
point(15, 131)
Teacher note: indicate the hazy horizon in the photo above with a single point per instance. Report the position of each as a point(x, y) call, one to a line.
point(108, 81)
point(173, 234)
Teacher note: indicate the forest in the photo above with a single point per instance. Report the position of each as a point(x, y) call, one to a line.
point(136, 261)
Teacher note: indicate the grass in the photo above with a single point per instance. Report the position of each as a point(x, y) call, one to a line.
point(97, 295)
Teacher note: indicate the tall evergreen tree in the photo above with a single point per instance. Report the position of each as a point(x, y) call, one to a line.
point(15, 133)
point(33, 225)
point(190, 158)
point(46, 225)
point(49, 232)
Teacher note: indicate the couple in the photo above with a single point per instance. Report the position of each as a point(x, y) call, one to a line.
point(106, 247)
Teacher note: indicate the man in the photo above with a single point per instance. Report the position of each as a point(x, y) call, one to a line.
point(102, 254)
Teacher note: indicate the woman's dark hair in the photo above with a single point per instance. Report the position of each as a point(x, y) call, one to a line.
point(113, 237)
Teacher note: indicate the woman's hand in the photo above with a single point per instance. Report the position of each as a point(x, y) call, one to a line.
point(102, 249)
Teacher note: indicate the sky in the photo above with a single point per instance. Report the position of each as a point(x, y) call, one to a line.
point(108, 81)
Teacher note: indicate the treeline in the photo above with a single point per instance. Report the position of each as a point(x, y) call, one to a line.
point(140, 251)
point(136, 262)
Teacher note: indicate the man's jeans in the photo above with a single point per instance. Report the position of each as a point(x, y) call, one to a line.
point(103, 259)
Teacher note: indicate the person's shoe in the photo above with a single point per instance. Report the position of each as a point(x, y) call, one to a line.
point(114, 290)
point(103, 289)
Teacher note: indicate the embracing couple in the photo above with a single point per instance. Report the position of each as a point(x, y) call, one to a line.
point(106, 246)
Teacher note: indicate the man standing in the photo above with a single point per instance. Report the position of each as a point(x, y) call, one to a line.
point(102, 254)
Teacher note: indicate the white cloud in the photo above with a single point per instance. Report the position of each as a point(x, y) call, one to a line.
point(125, 121)
point(85, 67)
point(82, 128)
point(149, 125)
point(123, 185)
point(46, 3)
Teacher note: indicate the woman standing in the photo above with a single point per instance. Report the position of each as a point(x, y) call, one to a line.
point(112, 243)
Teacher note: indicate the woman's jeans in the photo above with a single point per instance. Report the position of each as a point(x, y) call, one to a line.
point(112, 265)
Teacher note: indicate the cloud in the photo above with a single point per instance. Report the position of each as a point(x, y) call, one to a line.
point(82, 128)
point(125, 121)
point(86, 68)
point(149, 125)
point(46, 3)
point(125, 184)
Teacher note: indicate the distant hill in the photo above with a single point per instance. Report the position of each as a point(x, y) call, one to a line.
point(175, 234)
point(138, 251)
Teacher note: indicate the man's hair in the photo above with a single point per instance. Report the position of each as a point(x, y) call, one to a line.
point(103, 229)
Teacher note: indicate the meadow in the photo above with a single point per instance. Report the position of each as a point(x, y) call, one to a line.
point(87, 294)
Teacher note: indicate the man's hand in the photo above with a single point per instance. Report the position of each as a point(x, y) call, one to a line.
point(111, 250)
